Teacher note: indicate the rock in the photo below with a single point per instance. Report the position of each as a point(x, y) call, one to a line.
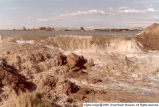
point(74, 62)
point(61, 59)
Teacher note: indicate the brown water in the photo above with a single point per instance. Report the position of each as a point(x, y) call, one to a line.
point(56, 33)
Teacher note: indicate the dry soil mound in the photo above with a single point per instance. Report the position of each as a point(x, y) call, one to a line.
point(149, 37)
point(152, 30)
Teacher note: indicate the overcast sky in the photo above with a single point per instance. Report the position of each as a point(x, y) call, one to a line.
point(76, 13)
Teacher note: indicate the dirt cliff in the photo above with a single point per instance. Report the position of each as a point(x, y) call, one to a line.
point(149, 37)
point(152, 30)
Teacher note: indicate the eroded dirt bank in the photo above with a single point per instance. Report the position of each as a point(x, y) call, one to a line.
point(102, 69)
point(149, 37)
point(73, 42)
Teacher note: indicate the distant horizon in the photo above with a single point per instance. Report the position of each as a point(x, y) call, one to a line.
point(90, 14)
point(70, 28)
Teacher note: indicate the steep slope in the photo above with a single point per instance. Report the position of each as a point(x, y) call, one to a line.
point(149, 37)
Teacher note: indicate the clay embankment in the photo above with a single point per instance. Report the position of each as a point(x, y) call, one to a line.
point(149, 37)
point(128, 44)
point(94, 43)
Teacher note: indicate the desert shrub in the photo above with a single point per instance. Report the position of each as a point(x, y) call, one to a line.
point(33, 99)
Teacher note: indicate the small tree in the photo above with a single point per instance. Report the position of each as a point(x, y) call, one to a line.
point(42, 28)
point(24, 28)
point(82, 28)
point(48, 29)
point(53, 28)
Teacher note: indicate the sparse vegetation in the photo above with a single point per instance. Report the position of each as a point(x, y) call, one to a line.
point(33, 99)
point(24, 28)
point(82, 29)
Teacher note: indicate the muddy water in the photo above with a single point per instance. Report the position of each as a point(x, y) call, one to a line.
point(55, 33)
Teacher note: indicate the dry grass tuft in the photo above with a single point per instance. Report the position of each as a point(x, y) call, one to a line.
point(29, 100)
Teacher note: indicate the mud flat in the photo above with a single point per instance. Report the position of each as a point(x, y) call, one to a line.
point(70, 70)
